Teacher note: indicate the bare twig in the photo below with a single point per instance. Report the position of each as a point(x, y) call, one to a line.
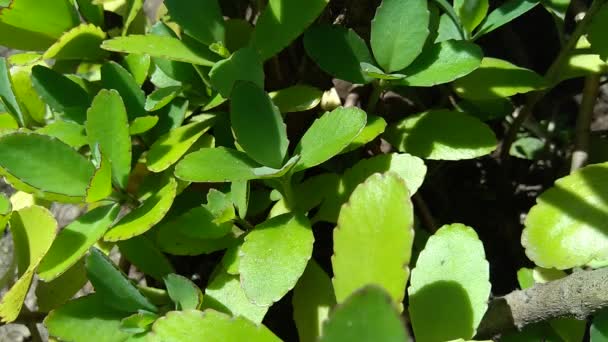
point(578, 295)
point(583, 123)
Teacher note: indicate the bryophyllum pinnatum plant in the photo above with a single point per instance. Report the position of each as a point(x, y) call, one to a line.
point(241, 173)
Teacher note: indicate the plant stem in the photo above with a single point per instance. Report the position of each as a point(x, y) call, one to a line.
point(583, 123)
point(551, 76)
point(425, 213)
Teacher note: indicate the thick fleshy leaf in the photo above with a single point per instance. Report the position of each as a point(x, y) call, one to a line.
point(133, 8)
point(170, 240)
point(33, 230)
point(240, 191)
point(225, 294)
point(155, 204)
point(52, 169)
point(61, 94)
point(7, 93)
point(80, 43)
point(566, 228)
point(169, 148)
point(161, 97)
point(107, 126)
point(32, 25)
point(329, 135)
point(450, 284)
point(273, 257)
point(321, 42)
point(138, 66)
point(504, 14)
point(244, 65)
point(141, 252)
point(497, 78)
point(100, 185)
point(258, 125)
point(69, 132)
point(367, 315)
point(297, 98)
point(8, 123)
point(313, 298)
point(281, 22)
point(443, 135)
point(228, 165)
point(471, 12)
point(209, 325)
point(183, 292)
point(54, 294)
point(379, 216)
point(374, 126)
point(142, 124)
point(114, 76)
point(75, 239)
point(447, 29)
point(596, 33)
point(85, 319)
point(399, 31)
point(442, 63)
point(238, 33)
point(113, 286)
point(162, 47)
point(200, 223)
point(91, 11)
point(32, 107)
point(201, 19)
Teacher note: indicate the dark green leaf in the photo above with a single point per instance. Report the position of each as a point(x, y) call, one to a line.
point(597, 32)
point(183, 292)
point(91, 11)
point(114, 76)
point(161, 97)
point(243, 65)
point(297, 98)
point(144, 255)
point(7, 95)
point(504, 14)
point(201, 19)
point(54, 294)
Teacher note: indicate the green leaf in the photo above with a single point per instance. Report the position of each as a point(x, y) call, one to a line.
point(142, 124)
point(183, 292)
point(138, 323)
point(450, 284)
point(80, 43)
point(162, 47)
point(504, 14)
point(443, 135)
point(69, 132)
point(582, 61)
point(487, 110)
point(498, 78)
point(75, 239)
point(244, 65)
point(33, 230)
point(324, 41)
point(61, 94)
point(373, 128)
point(273, 257)
point(169, 148)
point(59, 291)
point(442, 63)
point(161, 97)
point(7, 94)
point(373, 71)
point(86, 319)
point(597, 31)
point(91, 11)
point(7, 123)
point(114, 76)
point(240, 196)
point(32, 25)
point(200, 223)
point(367, 315)
point(32, 107)
point(281, 22)
point(379, 216)
point(225, 294)
point(313, 298)
point(447, 30)
point(527, 148)
point(228, 165)
point(107, 126)
point(170, 240)
point(209, 325)
point(297, 98)
point(471, 12)
point(100, 185)
point(154, 205)
point(328, 136)
point(132, 10)
point(201, 19)
point(138, 66)
point(143, 253)
point(52, 169)
point(399, 31)
point(599, 327)
point(238, 33)
point(258, 125)
point(564, 229)
point(113, 286)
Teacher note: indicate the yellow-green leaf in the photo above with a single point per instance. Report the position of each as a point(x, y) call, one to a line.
point(80, 43)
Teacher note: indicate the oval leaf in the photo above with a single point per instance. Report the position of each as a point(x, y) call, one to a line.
point(498, 78)
point(296, 98)
point(114, 76)
point(323, 42)
point(80, 43)
point(566, 227)
point(258, 125)
point(53, 170)
point(183, 292)
point(450, 284)
point(471, 12)
point(244, 65)
point(328, 136)
point(379, 216)
point(443, 135)
point(399, 31)
point(161, 97)
point(442, 63)
point(273, 257)
point(201, 19)
point(228, 165)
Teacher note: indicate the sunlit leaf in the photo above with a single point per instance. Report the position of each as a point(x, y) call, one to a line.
point(201, 19)
point(80, 43)
point(504, 14)
point(183, 292)
point(244, 65)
